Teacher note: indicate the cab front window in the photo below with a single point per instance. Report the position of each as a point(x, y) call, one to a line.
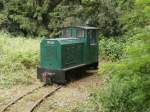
point(66, 33)
point(92, 37)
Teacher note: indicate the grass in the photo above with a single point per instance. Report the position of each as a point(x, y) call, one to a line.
point(18, 60)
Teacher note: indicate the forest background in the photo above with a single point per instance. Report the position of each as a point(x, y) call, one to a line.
point(124, 38)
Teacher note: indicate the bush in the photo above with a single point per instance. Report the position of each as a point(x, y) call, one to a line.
point(110, 49)
point(128, 88)
point(127, 84)
point(19, 57)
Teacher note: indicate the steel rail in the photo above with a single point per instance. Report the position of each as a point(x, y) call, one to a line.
point(43, 98)
point(19, 98)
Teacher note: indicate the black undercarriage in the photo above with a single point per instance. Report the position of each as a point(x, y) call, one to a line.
point(61, 76)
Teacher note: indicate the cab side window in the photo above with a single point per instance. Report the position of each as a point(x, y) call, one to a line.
point(92, 36)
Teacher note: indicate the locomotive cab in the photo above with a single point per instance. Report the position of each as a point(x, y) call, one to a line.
point(72, 32)
point(77, 48)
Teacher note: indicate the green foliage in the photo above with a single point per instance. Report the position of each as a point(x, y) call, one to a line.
point(127, 81)
point(36, 17)
point(112, 17)
point(27, 16)
point(111, 49)
point(127, 84)
point(19, 57)
point(103, 14)
point(139, 16)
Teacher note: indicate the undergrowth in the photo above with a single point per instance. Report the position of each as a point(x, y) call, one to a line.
point(111, 49)
point(18, 60)
point(127, 82)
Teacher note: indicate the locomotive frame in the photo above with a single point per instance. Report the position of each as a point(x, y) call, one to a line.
point(76, 49)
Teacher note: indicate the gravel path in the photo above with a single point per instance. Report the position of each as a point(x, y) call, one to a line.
point(65, 100)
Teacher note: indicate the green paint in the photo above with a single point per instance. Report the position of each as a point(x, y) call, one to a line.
point(62, 53)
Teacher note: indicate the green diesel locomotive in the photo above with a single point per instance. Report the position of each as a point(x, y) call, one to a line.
point(77, 47)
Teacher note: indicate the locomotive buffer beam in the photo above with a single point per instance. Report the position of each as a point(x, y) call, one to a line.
point(51, 76)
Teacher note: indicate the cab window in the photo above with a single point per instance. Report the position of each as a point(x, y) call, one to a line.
point(80, 33)
point(66, 33)
point(92, 36)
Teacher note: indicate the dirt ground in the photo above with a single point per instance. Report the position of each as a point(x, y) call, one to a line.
point(64, 100)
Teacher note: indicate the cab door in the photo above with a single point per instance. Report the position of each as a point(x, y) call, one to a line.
point(93, 46)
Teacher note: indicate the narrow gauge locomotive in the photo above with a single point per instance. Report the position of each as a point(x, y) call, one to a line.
point(77, 47)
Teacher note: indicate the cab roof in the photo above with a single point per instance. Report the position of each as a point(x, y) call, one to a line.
point(82, 27)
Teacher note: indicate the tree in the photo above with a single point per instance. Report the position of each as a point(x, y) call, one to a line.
point(43, 17)
point(28, 16)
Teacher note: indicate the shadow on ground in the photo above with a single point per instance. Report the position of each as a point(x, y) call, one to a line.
point(76, 75)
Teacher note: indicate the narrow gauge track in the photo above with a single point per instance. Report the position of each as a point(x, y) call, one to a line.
point(30, 92)
point(44, 97)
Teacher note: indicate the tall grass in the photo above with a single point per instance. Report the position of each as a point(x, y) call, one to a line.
point(18, 60)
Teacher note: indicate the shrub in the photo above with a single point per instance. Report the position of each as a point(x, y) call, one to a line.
point(128, 88)
point(110, 49)
point(127, 84)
